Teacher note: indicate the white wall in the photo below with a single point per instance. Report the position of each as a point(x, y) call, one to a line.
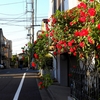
point(54, 67)
point(58, 61)
point(68, 4)
point(50, 8)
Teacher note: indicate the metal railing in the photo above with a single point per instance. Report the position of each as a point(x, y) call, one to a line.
point(84, 87)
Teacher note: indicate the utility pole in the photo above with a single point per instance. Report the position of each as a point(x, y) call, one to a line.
point(31, 27)
point(33, 13)
point(32, 21)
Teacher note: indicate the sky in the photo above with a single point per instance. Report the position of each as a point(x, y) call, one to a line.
point(15, 20)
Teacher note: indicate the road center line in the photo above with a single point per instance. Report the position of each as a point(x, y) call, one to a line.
point(19, 88)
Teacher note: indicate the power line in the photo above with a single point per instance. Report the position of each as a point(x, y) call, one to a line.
point(17, 39)
point(10, 14)
point(11, 3)
point(16, 18)
point(23, 17)
point(19, 21)
point(9, 24)
point(15, 31)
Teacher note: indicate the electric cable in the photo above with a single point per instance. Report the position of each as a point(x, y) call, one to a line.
point(10, 14)
point(11, 3)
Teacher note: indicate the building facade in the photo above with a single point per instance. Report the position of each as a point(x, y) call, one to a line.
point(61, 63)
point(5, 50)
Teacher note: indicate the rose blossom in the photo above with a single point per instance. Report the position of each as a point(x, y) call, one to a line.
point(82, 5)
point(91, 0)
point(82, 19)
point(83, 32)
point(33, 64)
point(98, 26)
point(36, 56)
point(92, 12)
point(98, 46)
point(82, 44)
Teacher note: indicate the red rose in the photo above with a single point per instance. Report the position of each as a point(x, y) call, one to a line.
point(98, 46)
point(33, 64)
point(71, 23)
point(51, 33)
point(47, 28)
point(36, 56)
point(90, 40)
point(83, 14)
point(75, 53)
point(55, 53)
point(54, 20)
point(82, 19)
point(48, 20)
point(59, 46)
point(92, 12)
point(91, 0)
point(42, 32)
point(82, 44)
point(35, 42)
point(92, 20)
point(82, 5)
point(83, 32)
point(98, 26)
point(47, 35)
point(64, 44)
point(40, 83)
point(76, 33)
point(96, 56)
point(70, 42)
point(71, 50)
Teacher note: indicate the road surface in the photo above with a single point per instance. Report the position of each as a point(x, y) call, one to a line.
point(16, 84)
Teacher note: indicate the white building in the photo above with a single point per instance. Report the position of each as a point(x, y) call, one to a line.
point(59, 71)
point(61, 5)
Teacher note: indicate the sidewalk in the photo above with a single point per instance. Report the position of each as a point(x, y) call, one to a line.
point(59, 92)
point(55, 92)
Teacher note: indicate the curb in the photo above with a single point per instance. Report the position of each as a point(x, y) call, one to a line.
point(51, 94)
point(45, 95)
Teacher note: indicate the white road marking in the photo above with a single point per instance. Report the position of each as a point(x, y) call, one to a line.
point(19, 88)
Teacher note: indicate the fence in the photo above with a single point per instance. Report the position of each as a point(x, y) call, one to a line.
point(85, 84)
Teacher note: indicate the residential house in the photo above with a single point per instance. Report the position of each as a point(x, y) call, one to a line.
point(82, 87)
point(61, 63)
point(43, 27)
point(8, 52)
point(5, 50)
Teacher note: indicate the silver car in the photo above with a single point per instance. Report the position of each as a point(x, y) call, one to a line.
point(1, 66)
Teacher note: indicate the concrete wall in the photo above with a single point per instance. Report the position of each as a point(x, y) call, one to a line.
point(64, 70)
point(54, 67)
point(65, 61)
point(58, 69)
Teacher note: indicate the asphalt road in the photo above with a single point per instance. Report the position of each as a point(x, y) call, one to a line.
point(16, 84)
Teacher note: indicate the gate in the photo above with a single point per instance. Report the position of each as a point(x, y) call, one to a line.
point(84, 83)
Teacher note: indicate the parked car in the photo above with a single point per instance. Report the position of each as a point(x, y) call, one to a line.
point(1, 66)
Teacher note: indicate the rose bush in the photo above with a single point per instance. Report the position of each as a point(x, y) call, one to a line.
point(76, 31)
point(41, 49)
